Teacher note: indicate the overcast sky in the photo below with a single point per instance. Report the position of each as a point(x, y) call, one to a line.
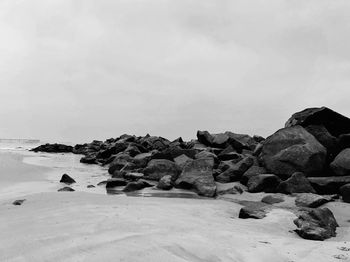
point(81, 69)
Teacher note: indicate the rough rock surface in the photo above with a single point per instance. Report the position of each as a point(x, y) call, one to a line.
point(165, 183)
point(157, 168)
point(66, 189)
point(134, 186)
point(311, 200)
point(198, 175)
point(335, 123)
point(272, 199)
point(252, 171)
point(341, 163)
point(316, 224)
point(328, 185)
point(263, 183)
point(293, 149)
point(297, 183)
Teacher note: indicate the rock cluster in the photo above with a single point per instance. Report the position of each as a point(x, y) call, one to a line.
point(310, 155)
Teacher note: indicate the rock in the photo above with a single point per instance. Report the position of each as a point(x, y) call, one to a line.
point(90, 186)
point(229, 188)
point(345, 192)
point(341, 163)
point(291, 150)
point(252, 209)
point(134, 186)
point(89, 159)
point(157, 168)
point(165, 183)
point(102, 183)
point(114, 182)
point(325, 138)
point(198, 175)
point(263, 183)
point(297, 183)
point(206, 154)
point(235, 171)
point(241, 141)
point(119, 162)
point(182, 160)
point(67, 179)
point(66, 189)
point(334, 122)
point(344, 141)
point(133, 175)
point(311, 200)
point(53, 148)
point(205, 138)
point(328, 185)
point(18, 202)
point(316, 224)
point(272, 199)
point(224, 156)
point(155, 142)
point(252, 171)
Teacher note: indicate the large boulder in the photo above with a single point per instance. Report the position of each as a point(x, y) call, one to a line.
point(328, 185)
point(157, 168)
point(297, 183)
point(291, 150)
point(198, 175)
point(165, 183)
point(316, 224)
point(341, 163)
point(345, 192)
point(334, 122)
point(263, 183)
point(182, 160)
point(115, 182)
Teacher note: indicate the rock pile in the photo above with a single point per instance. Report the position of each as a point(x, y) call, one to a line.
point(311, 154)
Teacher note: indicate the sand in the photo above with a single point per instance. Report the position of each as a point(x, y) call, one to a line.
point(81, 226)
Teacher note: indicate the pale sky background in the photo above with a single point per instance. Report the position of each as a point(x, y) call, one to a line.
point(84, 69)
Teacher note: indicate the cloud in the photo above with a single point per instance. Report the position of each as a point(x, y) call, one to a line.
point(78, 70)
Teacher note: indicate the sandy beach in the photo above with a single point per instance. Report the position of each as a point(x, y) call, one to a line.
point(82, 226)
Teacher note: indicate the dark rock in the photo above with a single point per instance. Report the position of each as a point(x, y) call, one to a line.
point(182, 160)
point(328, 185)
point(224, 156)
point(134, 186)
point(66, 189)
point(114, 182)
point(18, 202)
point(235, 171)
point(263, 183)
point(252, 171)
point(53, 148)
point(325, 138)
point(241, 141)
point(157, 168)
point(205, 138)
point(206, 154)
point(292, 150)
point(272, 199)
point(297, 183)
point(258, 139)
point(311, 200)
point(251, 209)
point(344, 141)
point(341, 163)
point(89, 159)
point(67, 179)
point(345, 192)
point(334, 122)
point(155, 142)
point(119, 174)
point(165, 183)
point(119, 162)
point(198, 175)
point(316, 224)
point(90, 186)
point(102, 183)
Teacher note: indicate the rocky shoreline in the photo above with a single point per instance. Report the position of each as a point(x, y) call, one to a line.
point(309, 158)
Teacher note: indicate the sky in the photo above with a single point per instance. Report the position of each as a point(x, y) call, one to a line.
point(77, 70)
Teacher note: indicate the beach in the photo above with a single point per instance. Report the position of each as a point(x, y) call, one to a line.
point(93, 226)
